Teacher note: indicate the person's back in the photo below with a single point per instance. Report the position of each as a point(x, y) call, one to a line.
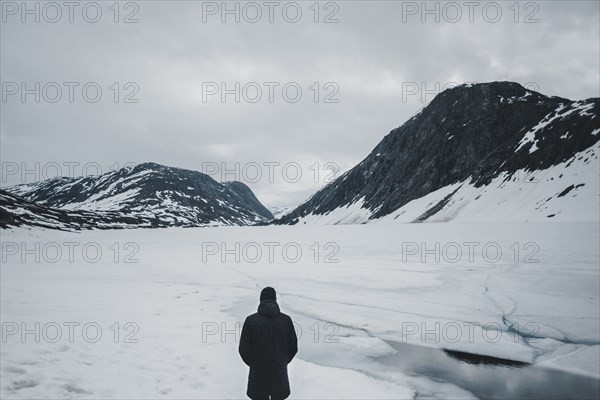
point(268, 343)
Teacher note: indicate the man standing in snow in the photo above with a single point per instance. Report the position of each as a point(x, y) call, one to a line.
point(267, 346)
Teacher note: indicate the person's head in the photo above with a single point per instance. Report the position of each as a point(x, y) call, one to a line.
point(268, 293)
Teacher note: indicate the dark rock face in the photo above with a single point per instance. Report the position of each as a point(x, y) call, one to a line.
point(470, 132)
point(147, 195)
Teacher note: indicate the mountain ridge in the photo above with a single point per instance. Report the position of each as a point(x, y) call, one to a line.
point(466, 133)
point(155, 194)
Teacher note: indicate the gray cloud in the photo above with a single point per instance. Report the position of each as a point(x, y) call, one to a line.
point(369, 54)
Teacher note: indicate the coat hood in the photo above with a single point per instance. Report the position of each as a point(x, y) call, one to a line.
point(268, 308)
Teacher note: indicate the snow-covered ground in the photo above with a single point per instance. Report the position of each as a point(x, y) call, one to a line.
point(168, 304)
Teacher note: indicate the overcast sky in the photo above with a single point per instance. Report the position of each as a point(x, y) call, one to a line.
point(361, 75)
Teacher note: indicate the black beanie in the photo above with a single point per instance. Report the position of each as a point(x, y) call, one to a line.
point(268, 293)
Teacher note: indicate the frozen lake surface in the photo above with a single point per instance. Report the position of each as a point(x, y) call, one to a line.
point(156, 313)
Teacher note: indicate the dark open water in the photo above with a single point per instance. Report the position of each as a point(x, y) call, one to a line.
point(492, 378)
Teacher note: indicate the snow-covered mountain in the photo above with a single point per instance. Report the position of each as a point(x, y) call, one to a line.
point(147, 195)
point(483, 152)
point(279, 212)
point(16, 211)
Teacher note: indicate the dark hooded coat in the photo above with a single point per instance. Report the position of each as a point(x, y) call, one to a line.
point(268, 343)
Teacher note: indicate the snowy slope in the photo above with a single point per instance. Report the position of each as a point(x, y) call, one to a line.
point(568, 191)
point(485, 152)
point(16, 211)
point(156, 195)
point(280, 211)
